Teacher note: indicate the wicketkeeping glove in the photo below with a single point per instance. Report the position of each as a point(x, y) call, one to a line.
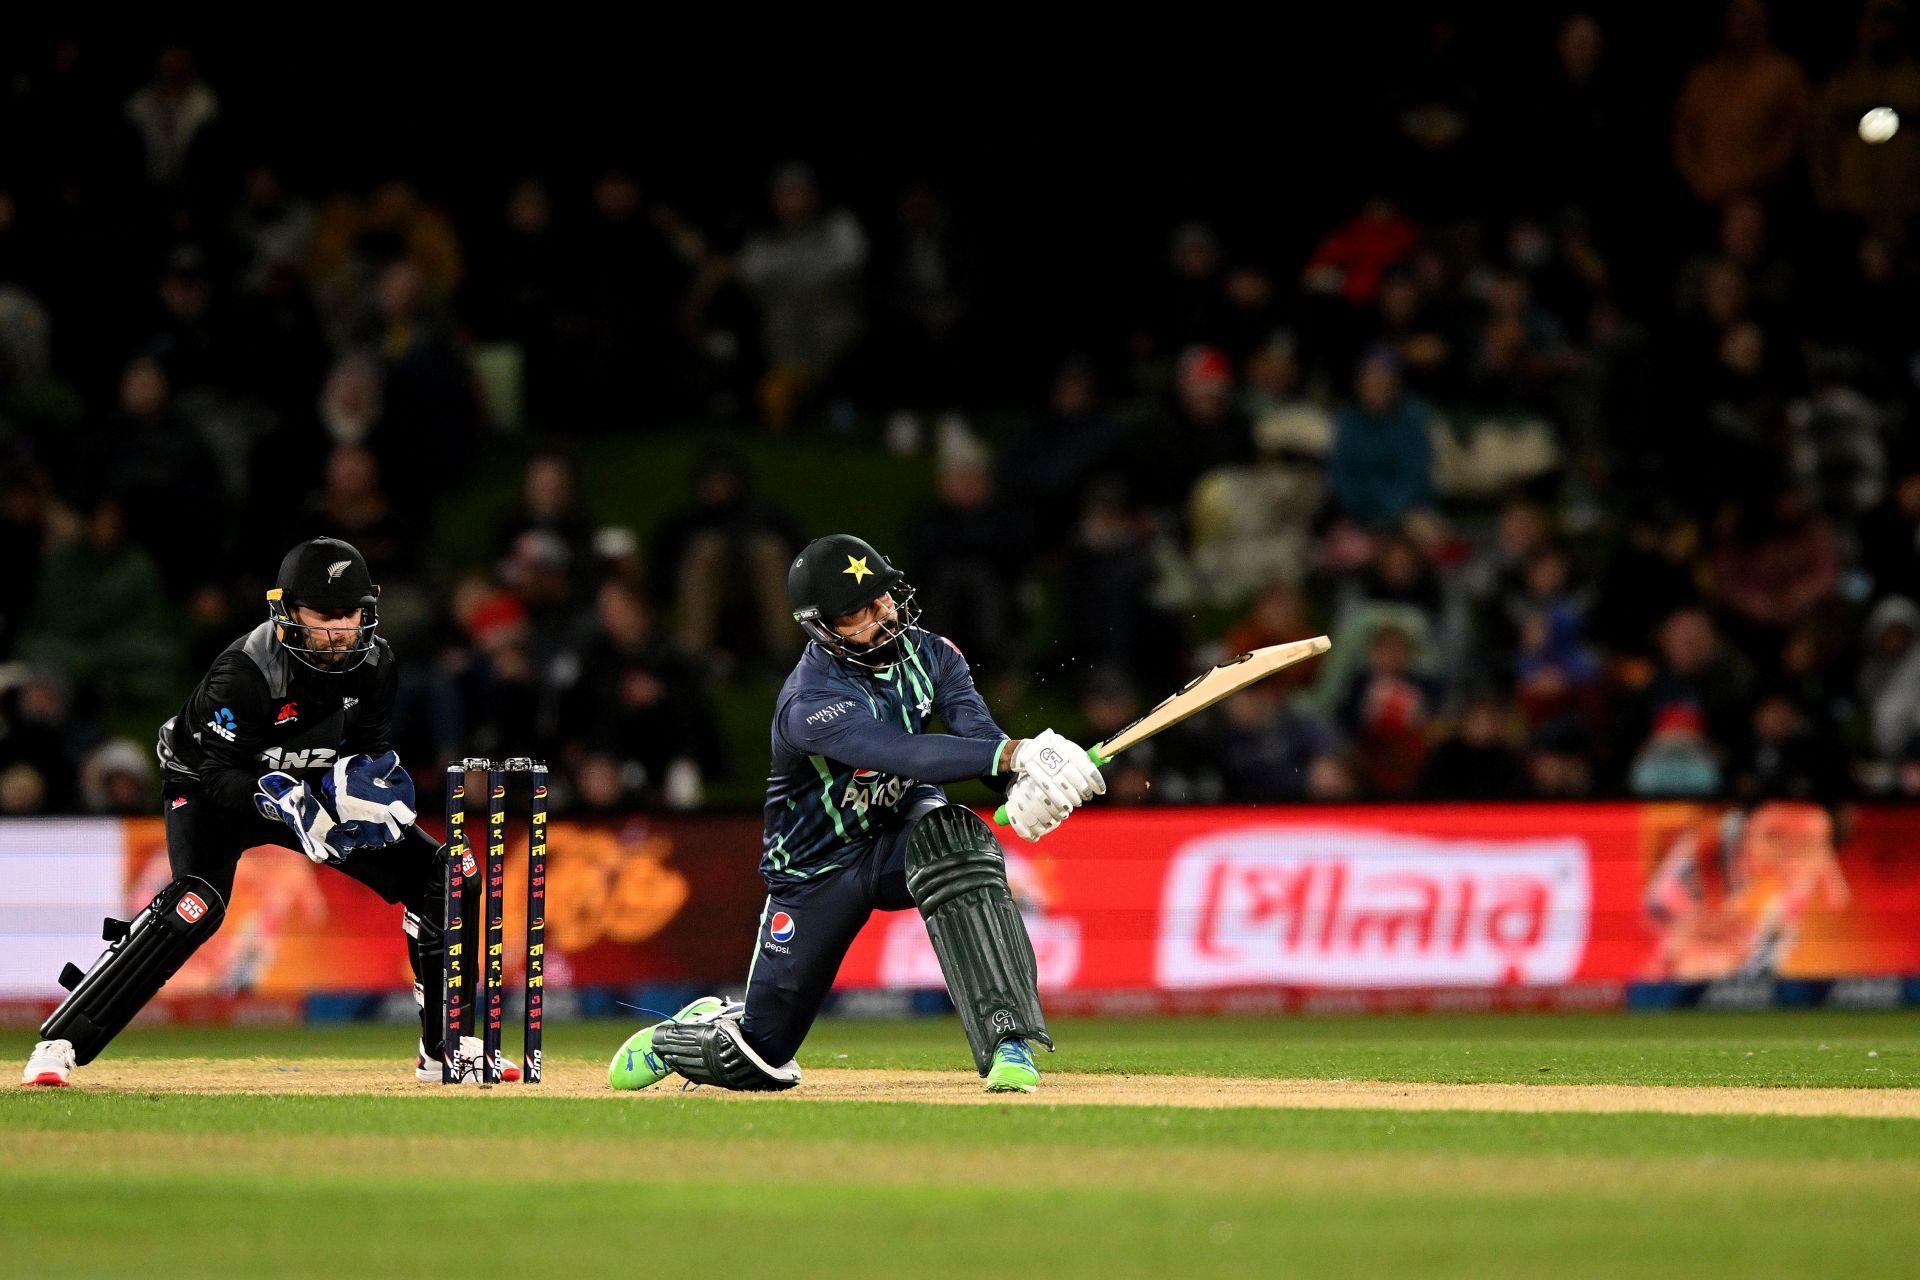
point(371, 798)
point(284, 798)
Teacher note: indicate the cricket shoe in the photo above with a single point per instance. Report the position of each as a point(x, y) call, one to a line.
point(1013, 1070)
point(427, 1070)
point(50, 1063)
point(636, 1065)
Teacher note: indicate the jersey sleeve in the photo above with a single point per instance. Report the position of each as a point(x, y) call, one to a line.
point(840, 725)
point(955, 698)
point(228, 715)
point(372, 731)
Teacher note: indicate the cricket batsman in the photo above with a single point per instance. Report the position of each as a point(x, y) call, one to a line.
point(283, 742)
point(857, 821)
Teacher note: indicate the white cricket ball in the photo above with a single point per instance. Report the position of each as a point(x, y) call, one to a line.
point(1879, 124)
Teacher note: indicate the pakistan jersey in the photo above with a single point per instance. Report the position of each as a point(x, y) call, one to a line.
point(848, 744)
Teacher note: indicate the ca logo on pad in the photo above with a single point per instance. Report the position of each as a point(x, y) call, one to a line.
point(780, 928)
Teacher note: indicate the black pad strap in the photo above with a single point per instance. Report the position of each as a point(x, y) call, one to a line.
point(132, 970)
point(957, 875)
point(716, 1052)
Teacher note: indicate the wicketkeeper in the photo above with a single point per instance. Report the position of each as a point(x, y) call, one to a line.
point(857, 822)
point(283, 742)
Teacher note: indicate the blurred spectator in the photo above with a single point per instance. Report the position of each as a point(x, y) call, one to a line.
point(166, 481)
point(1889, 682)
point(1385, 712)
point(1382, 467)
point(969, 558)
point(804, 272)
point(171, 113)
point(549, 502)
point(1554, 670)
point(1048, 459)
point(429, 411)
point(727, 557)
point(118, 777)
point(272, 229)
point(1519, 349)
point(1264, 745)
point(1789, 756)
point(1676, 759)
point(1416, 330)
point(927, 289)
point(1107, 614)
point(1650, 574)
point(1696, 672)
point(99, 614)
point(1559, 761)
point(1201, 430)
point(1435, 117)
point(1193, 305)
point(358, 238)
point(353, 507)
point(34, 741)
point(23, 535)
point(626, 269)
point(1289, 426)
point(1877, 182)
point(1478, 760)
point(1774, 559)
point(1355, 256)
point(1575, 126)
point(1741, 112)
point(1890, 538)
point(637, 699)
point(1836, 449)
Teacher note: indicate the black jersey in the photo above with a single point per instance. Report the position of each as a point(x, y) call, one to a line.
point(258, 710)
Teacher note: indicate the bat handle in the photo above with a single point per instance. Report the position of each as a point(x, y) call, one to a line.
point(1093, 754)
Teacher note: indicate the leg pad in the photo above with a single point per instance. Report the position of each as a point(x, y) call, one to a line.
point(131, 971)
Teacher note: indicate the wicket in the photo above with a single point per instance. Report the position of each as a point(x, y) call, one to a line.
point(460, 864)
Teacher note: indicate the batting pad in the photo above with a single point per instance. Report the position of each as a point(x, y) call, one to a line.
point(957, 875)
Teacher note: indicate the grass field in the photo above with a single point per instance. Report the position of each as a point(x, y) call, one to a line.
point(288, 1182)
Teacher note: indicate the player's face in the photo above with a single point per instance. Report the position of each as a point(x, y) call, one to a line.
point(869, 626)
point(331, 633)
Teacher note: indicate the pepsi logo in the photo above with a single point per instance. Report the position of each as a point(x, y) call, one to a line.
point(780, 928)
point(862, 775)
point(191, 908)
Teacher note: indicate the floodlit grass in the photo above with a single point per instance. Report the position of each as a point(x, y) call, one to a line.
point(99, 1183)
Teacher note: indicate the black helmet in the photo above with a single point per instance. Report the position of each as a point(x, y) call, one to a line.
point(838, 575)
point(328, 574)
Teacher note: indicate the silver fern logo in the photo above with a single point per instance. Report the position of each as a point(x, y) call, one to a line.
point(337, 568)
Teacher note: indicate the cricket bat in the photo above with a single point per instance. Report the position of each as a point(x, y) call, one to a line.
point(1200, 693)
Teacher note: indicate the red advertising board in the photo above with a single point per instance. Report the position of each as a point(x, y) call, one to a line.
point(1453, 896)
point(1363, 904)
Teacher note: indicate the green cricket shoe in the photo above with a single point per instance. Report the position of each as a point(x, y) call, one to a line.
point(1013, 1070)
point(636, 1065)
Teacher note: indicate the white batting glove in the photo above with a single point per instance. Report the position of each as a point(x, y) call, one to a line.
point(1060, 767)
point(1031, 812)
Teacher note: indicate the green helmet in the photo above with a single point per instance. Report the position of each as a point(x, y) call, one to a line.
point(841, 574)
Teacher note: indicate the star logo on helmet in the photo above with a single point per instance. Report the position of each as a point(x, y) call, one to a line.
point(857, 566)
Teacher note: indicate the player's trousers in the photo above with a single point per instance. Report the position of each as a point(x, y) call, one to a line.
point(207, 839)
point(807, 927)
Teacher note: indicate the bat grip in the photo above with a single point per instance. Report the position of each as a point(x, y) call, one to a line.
point(1093, 754)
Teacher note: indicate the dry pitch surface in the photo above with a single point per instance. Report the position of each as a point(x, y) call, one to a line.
point(379, 1077)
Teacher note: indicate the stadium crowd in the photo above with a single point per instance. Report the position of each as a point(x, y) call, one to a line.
point(1581, 519)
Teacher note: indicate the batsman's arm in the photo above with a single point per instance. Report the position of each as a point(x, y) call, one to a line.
point(845, 729)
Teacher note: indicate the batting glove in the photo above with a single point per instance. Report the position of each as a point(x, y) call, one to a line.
point(1031, 812)
point(1060, 768)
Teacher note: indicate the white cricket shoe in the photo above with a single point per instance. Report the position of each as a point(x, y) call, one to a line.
point(427, 1070)
point(50, 1063)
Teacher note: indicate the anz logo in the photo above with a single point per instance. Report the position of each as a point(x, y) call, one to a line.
point(309, 758)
